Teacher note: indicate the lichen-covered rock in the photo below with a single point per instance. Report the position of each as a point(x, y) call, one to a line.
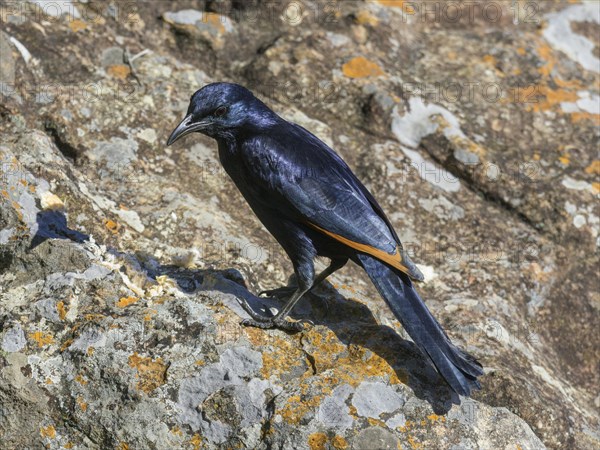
point(122, 261)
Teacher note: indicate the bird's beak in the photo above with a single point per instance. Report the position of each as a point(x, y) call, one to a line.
point(186, 127)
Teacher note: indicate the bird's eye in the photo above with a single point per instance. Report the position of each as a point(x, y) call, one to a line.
point(221, 111)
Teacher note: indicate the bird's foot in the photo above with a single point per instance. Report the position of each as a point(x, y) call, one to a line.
point(282, 292)
point(267, 323)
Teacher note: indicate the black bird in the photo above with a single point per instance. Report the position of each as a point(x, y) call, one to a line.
point(312, 203)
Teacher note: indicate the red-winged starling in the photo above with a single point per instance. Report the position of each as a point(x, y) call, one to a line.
point(310, 201)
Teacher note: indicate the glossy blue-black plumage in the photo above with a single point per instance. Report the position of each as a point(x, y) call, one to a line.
point(291, 180)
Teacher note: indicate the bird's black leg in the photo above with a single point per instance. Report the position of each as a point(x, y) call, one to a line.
point(306, 278)
point(287, 291)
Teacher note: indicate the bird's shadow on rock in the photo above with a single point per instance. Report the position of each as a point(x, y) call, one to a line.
point(352, 322)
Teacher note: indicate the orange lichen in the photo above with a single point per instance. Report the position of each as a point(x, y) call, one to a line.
point(111, 226)
point(413, 443)
point(48, 432)
point(79, 378)
point(366, 18)
point(552, 97)
point(122, 446)
point(150, 373)
point(126, 301)
point(339, 443)
point(545, 53)
point(149, 314)
point(296, 408)
point(214, 20)
point(593, 168)
point(398, 4)
point(42, 338)
point(82, 404)
point(375, 422)
point(120, 71)
point(577, 117)
point(77, 25)
point(62, 312)
point(282, 359)
point(196, 441)
point(317, 441)
point(491, 60)
point(361, 67)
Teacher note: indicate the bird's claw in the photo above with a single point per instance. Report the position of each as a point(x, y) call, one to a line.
point(281, 324)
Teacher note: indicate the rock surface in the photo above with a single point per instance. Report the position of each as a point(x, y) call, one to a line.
point(121, 261)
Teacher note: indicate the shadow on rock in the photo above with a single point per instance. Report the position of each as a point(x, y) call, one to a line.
point(53, 225)
point(351, 321)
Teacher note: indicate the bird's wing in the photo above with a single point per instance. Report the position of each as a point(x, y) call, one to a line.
point(314, 185)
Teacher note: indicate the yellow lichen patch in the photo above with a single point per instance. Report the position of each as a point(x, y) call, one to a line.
point(361, 67)
point(414, 444)
point(149, 314)
point(79, 378)
point(66, 344)
point(196, 441)
point(200, 362)
point(339, 443)
point(90, 351)
point(120, 71)
point(577, 117)
point(176, 431)
point(62, 312)
point(564, 160)
point(77, 25)
point(317, 441)
point(42, 338)
point(296, 408)
point(68, 445)
point(593, 168)
point(375, 422)
point(366, 18)
point(398, 4)
point(551, 97)
point(122, 446)
point(5, 193)
point(214, 20)
point(49, 381)
point(521, 51)
point(491, 60)
point(151, 374)
point(112, 226)
point(48, 432)
point(545, 53)
point(126, 301)
point(83, 405)
point(596, 187)
point(436, 418)
point(282, 359)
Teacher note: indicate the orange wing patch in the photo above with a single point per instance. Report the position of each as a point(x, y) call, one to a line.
point(394, 260)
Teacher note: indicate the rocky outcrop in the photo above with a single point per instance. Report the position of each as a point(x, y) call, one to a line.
point(122, 261)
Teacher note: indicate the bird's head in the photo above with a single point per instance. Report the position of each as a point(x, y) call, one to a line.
point(221, 110)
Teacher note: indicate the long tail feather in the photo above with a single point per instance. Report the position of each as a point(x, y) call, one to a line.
point(459, 369)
